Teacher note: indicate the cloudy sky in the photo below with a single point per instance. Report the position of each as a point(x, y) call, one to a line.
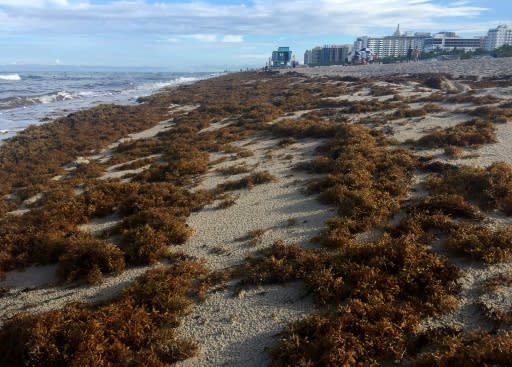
point(192, 35)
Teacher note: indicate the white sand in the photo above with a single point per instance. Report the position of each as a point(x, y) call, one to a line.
point(501, 151)
point(116, 170)
point(236, 331)
point(34, 290)
point(97, 226)
point(482, 68)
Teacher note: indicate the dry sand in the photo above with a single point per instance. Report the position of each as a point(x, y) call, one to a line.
point(237, 329)
point(481, 68)
point(34, 290)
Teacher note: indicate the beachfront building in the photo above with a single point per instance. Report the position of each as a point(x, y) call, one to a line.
point(282, 57)
point(397, 32)
point(395, 46)
point(499, 36)
point(308, 57)
point(316, 54)
point(449, 41)
point(398, 44)
point(327, 55)
point(392, 46)
point(361, 42)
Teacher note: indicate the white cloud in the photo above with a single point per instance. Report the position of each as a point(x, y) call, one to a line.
point(204, 21)
point(477, 28)
point(202, 37)
point(172, 40)
point(230, 38)
point(33, 3)
point(17, 3)
point(460, 3)
point(59, 2)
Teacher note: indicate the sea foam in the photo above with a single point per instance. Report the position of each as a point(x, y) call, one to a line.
point(13, 102)
point(11, 77)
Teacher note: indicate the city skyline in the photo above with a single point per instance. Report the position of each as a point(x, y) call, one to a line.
point(214, 35)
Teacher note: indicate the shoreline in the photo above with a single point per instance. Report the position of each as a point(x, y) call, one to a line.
point(75, 100)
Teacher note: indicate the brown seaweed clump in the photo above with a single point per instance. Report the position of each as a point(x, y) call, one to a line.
point(373, 294)
point(365, 181)
point(490, 187)
point(469, 134)
point(136, 328)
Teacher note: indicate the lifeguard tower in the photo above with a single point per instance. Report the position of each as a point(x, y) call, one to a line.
point(282, 57)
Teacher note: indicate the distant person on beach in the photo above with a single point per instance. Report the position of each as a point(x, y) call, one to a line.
point(417, 53)
point(409, 54)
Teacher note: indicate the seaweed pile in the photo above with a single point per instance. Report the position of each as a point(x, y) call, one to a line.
point(371, 294)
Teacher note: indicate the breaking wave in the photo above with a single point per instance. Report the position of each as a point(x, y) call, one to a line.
point(146, 88)
point(11, 77)
point(175, 82)
point(13, 102)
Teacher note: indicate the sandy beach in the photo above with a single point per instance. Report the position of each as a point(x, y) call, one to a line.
point(289, 132)
point(480, 68)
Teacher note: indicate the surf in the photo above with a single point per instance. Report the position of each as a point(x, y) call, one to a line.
point(10, 77)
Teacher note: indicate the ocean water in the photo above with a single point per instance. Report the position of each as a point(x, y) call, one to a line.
point(28, 98)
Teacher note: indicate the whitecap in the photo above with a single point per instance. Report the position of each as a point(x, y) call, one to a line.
point(10, 77)
point(172, 83)
point(54, 97)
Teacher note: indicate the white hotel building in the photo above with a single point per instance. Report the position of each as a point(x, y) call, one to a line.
point(398, 44)
point(449, 41)
point(395, 45)
point(499, 36)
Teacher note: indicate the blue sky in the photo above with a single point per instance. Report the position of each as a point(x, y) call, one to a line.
point(183, 35)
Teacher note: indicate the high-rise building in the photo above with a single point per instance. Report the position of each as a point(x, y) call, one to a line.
point(499, 36)
point(327, 55)
point(361, 42)
point(449, 41)
point(398, 44)
point(282, 57)
point(334, 55)
point(316, 56)
point(394, 46)
point(308, 57)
